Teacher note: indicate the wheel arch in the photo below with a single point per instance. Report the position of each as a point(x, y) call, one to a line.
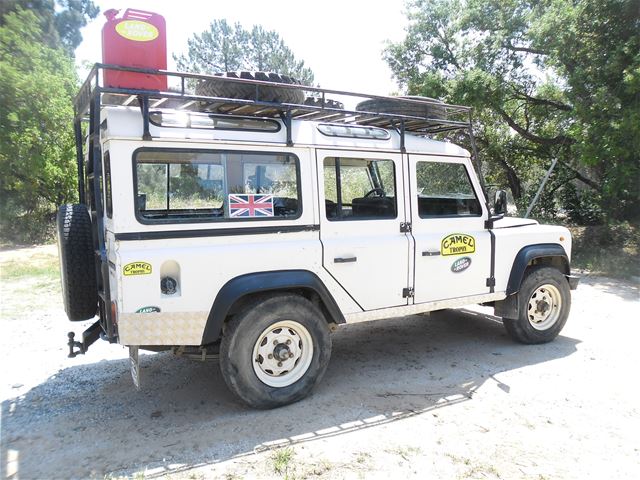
point(551, 254)
point(241, 288)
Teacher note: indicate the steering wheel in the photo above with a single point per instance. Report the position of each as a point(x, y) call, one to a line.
point(379, 191)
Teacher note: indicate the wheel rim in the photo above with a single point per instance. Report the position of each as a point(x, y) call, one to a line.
point(544, 307)
point(282, 353)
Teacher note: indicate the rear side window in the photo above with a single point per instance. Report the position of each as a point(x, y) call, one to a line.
point(444, 190)
point(196, 185)
point(359, 189)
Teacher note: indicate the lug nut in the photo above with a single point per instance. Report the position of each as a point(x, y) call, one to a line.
point(288, 342)
point(275, 342)
point(290, 355)
point(270, 356)
point(279, 364)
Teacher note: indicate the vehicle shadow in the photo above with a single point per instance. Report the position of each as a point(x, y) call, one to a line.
point(90, 420)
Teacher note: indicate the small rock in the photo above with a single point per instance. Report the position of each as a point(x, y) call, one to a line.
point(17, 385)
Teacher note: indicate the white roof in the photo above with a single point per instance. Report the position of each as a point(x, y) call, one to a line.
point(126, 122)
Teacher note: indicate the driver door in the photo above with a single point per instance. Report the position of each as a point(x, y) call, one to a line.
point(361, 208)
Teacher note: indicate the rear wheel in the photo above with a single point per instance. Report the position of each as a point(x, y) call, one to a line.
point(544, 302)
point(275, 351)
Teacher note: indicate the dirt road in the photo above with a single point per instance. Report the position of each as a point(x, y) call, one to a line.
point(440, 396)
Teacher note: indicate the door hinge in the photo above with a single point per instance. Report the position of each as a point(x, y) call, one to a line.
point(491, 282)
point(405, 227)
point(407, 293)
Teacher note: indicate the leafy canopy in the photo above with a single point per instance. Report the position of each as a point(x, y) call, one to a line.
point(548, 79)
point(37, 83)
point(60, 21)
point(225, 48)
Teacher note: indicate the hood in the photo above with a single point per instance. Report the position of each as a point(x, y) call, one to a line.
point(510, 222)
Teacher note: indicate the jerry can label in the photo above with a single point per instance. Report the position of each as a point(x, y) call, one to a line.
point(137, 31)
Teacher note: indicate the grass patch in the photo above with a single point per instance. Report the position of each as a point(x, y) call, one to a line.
point(282, 460)
point(40, 265)
point(29, 281)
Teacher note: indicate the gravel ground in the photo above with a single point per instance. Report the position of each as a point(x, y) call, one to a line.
point(445, 396)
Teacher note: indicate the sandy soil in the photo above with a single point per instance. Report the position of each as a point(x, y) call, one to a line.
point(440, 396)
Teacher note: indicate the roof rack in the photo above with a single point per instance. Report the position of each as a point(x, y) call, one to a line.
point(450, 117)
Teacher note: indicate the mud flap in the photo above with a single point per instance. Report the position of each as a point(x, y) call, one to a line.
point(135, 365)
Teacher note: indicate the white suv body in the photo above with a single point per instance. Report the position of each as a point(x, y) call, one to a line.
point(253, 237)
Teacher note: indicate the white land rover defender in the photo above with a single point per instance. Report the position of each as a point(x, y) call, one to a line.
point(247, 219)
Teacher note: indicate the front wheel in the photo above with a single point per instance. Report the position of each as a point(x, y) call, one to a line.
point(275, 351)
point(544, 301)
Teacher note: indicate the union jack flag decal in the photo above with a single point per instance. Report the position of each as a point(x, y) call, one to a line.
point(250, 205)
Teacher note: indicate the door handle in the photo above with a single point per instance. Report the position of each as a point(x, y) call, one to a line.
point(345, 259)
point(431, 253)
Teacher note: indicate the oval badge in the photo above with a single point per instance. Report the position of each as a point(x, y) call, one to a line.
point(457, 244)
point(461, 264)
point(150, 309)
point(137, 268)
point(137, 30)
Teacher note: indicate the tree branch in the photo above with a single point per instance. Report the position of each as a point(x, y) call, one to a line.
point(534, 51)
point(542, 101)
point(547, 142)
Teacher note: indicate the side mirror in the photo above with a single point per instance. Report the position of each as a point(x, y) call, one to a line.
point(500, 203)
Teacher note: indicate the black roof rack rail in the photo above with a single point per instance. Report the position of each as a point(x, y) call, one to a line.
point(452, 117)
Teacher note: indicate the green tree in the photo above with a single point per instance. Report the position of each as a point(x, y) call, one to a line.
point(226, 47)
point(548, 79)
point(37, 168)
point(60, 21)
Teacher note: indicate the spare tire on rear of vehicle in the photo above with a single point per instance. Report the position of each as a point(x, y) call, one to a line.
point(220, 87)
point(77, 262)
point(433, 109)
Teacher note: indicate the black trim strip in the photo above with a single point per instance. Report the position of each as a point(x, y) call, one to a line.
point(491, 281)
point(215, 232)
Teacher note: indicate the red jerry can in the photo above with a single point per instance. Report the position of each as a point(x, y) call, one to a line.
point(137, 39)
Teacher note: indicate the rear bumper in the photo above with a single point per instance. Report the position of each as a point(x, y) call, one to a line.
point(573, 281)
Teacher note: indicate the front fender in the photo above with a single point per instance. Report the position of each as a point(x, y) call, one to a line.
point(529, 253)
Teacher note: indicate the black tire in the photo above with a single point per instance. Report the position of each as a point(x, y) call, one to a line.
point(247, 327)
point(218, 87)
point(522, 329)
point(328, 103)
point(77, 262)
point(429, 110)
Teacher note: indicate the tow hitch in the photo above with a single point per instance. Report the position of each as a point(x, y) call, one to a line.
point(89, 336)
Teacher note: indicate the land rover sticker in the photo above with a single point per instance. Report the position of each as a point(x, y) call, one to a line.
point(460, 264)
point(137, 268)
point(137, 30)
point(457, 244)
point(150, 309)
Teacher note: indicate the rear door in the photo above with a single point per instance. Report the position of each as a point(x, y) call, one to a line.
point(361, 204)
point(453, 249)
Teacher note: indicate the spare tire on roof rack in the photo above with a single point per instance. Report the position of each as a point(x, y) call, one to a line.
point(431, 108)
point(219, 87)
point(328, 103)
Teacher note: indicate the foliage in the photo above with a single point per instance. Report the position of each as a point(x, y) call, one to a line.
point(37, 168)
point(612, 249)
point(547, 79)
point(225, 48)
point(60, 21)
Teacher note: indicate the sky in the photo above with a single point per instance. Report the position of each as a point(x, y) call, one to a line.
point(340, 40)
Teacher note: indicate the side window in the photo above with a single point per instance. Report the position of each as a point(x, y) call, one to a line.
point(198, 185)
point(358, 188)
point(444, 190)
